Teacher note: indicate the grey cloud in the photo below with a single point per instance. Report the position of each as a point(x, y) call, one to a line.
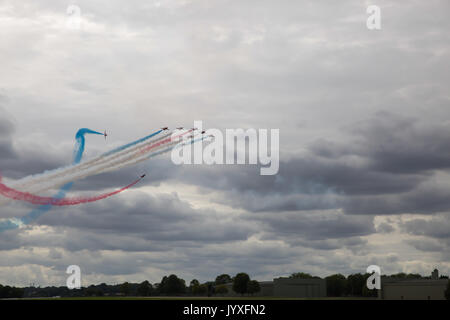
point(311, 69)
point(437, 227)
point(427, 245)
point(160, 218)
point(385, 228)
point(6, 131)
point(316, 226)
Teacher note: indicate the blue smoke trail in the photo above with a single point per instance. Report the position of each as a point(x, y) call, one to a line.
point(81, 141)
point(132, 143)
point(36, 213)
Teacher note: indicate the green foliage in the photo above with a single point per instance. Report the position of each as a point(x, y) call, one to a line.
point(355, 284)
point(10, 292)
point(194, 283)
point(223, 279)
point(221, 289)
point(301, 275)
point(253, 287)
point(400, 275)
point(240, 283)
point(92, 291)
point(202, 289)
point(409, 276)
point(125, 288)
point(172, 285)
point(336, 285)
point(144, 289)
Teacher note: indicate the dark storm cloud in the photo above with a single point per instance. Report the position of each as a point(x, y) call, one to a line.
point(160, 218)
point(382, 168)
point(157, 170)
point(427, 245)
point(401, 145)
point(437, 227)
point(29, 160)
point(425, 199)
point(317, 226)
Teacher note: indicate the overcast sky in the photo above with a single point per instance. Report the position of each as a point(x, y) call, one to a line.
point(364, 125)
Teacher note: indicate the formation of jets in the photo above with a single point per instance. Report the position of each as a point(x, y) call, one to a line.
point(167, 128)
point(164, 129)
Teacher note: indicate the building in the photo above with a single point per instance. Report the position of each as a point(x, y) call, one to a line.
point(288, 288)
point(417, 289)
point(299, 288)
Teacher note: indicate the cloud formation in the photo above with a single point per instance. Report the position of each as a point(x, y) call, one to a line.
point(363, 119)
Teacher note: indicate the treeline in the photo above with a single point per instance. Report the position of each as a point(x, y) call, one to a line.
point(10, 292)
point(355, 285)
point(337, 285)
point(170, 285)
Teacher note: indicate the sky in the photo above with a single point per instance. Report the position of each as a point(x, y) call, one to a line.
point(364, 124)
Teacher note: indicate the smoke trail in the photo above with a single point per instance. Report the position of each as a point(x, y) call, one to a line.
point(105, 166)
point(80, 143)
point(132, 143)
point(28, 197)
point(36, 213)
point(27, 182)
point(47, 202)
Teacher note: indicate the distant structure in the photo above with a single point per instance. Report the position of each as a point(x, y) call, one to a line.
point(299, 288)
point(435, 275)
point(417, 289)
point(288, 288)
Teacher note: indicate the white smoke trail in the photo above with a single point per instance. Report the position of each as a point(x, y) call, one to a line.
point(25, 183)
point(126, 157)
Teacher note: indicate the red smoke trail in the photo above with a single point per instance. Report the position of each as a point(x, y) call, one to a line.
point(38, 200)
point(31, 198)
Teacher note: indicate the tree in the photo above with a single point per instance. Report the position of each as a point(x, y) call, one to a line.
point(253, 287)
point(10, 292)
point(301, 275)
point(412, 276)
point(194, 283)
point(366, 292)
point(194, 286)
point(400, 275)
point(202, 289)
point(91, 291)
point(221, 289)
point(447, 291)
point(125, 288)
point(355, 284)
point(144, 289)
point(336, 285)
point(240, 283)
point(223, 279)
point(172, 285)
